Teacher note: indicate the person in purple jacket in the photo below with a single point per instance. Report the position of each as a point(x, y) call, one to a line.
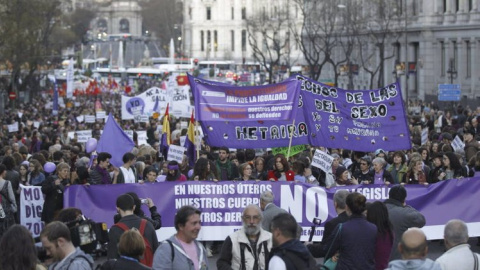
point(356, 238)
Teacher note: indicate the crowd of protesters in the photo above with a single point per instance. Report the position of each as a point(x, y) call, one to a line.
point(42, 139)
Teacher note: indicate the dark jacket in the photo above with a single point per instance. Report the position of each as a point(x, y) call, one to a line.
point(231, 169)
point(356, 243)
point(155, 220)
point(123, 264)
point(131, 221)
point(294, 254)
point(96, 177)
point(402, 217)
point(317, 249)
point(53, 197)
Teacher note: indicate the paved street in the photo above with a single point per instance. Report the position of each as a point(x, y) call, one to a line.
point(435, 249)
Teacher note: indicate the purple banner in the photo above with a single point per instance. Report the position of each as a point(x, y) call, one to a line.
point(222, 203)
point(360, 120)
point(232, 103)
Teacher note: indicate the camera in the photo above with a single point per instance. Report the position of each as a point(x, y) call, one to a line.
point(144, 201)
point(317, 221)
point(88, 235)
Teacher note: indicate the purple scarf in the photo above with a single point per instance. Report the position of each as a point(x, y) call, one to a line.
point(105, 176)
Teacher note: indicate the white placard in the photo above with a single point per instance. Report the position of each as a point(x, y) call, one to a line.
point(175, 152)
point(457, 143)
point(322, 160)
point(182, 140)
point(101, 115)
point(183, 124)
point(129, 133)
point(141, 137)
point(80, 118)
point(71, 134)
point(36, 124)
point(13, 127)
point(76, 104)
point(84, 135)
point(20, 114)
point(89, 118)
point(424, 135)
point(31, 207)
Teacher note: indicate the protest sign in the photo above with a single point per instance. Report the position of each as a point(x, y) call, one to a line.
point(31, 207)
point(36, 124)
point(176, 153)
point(222, 203)
point(101, 114)
point(89, 118)
point(284, 150)
point(141, 137)
point(457, 143)
point(13, 127)
point(80, 118)
point(83, 135)
point(424, 135)
point(322, 160)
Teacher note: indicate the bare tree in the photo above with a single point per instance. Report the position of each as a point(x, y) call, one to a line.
point(27, 32)
point(381, 30)
point(316, 36)
point(269, 38)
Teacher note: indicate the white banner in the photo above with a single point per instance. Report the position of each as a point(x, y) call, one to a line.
point(155, 100)
point(322, 160)
point(89, 118)
point(101, 115)
point(84, 135)
point(70, 79)
point(31, 207)
point(175, 152)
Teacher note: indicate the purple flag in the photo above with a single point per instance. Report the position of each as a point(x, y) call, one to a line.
point(114, 141)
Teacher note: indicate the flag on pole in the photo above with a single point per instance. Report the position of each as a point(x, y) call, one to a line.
point(114, 141)
point(70, 78)
point(165, 142)
point(190, 142)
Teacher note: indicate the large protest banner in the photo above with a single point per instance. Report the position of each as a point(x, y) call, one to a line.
point(222, 203)
point(31, 207)
point(360, 120)
point(259, 133)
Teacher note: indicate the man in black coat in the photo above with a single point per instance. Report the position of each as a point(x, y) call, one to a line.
point(339, 201)
point(126, 206)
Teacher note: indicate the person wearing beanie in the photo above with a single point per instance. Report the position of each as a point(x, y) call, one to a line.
point(342, 177)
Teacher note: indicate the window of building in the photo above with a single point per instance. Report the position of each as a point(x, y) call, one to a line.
point(455, 54)
point(209, 40)
point(124, 26)
point(470, 5)
point(233, 14)
point(209, 13)
point(244, 13)
point(202, 41)
point(457, 5)
point(469, 59)
point(442, 59)
point(190, 13)
point(244, 40)
point(232, 39)
point(444, 6)
point(215, 40)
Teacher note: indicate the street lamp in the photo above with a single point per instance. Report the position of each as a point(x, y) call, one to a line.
point(452, 71)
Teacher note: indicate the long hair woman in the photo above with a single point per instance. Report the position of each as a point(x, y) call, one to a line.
point(174, 173)
point(202, 171)
point(281, 170)
point(377, 214)
point(8, 202)
point(36, 176)
point(17, 250)
point(245, 171)
point(415, 173)
point(452, 169)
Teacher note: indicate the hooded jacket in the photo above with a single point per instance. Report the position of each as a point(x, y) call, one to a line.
point(417, 264)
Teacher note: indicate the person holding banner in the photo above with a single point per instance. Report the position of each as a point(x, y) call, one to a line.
point(245, 171)
point(226, 169)
point(53, 188)
point(381, 176)
point(99, 174)
point(364, 174)
point(174, 173)
point(342, 178)
point(452, 169)
point(8, 205)
point(202, 172)
point(260, 172)
point(127, 173)
point(281, 170)
point(415, 173)
point(399, 167)
point(35, 176)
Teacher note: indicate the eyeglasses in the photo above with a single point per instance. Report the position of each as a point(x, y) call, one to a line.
point(255, 218)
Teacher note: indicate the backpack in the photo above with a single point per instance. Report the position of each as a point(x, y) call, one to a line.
point(148, 254)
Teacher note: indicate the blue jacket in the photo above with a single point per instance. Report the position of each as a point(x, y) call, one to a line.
point(162, 260)
point(356, 243)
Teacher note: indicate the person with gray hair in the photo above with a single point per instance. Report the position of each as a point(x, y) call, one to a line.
point(339, 202)
point(270, 210)
point(247, 248)
point(458, 254)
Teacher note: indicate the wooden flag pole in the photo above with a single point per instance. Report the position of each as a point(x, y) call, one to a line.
point(291, 137)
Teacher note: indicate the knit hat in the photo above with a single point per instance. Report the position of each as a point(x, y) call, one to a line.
point(340, 170)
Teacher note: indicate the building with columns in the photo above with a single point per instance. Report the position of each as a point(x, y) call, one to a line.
point(442, 42)
point(118, 17)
